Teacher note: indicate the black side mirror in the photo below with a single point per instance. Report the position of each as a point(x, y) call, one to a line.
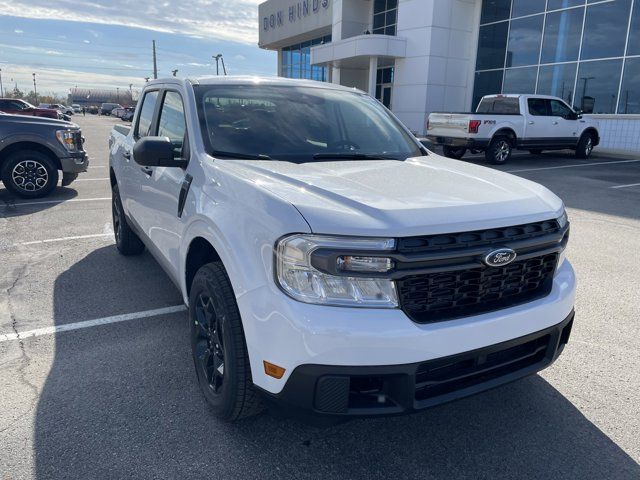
point(156, 152)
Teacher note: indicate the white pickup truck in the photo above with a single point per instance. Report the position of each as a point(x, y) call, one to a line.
point(330, 263)
point(502, 123)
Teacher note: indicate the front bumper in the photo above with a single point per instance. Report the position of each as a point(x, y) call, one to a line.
point(343, 391)
point(470, 143)
point(75, 163)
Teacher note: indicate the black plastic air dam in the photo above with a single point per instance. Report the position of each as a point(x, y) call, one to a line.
point(348, 392)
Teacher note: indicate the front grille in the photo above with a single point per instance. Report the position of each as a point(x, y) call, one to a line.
point(433, 297)
point(452, 374)
point(478, 238)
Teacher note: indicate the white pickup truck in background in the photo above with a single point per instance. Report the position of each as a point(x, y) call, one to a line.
point(502, 123)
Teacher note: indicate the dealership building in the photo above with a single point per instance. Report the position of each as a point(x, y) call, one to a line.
point(422, 56)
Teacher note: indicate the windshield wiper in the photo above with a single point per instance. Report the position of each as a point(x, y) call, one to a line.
point(351, 156)
point(241, 156)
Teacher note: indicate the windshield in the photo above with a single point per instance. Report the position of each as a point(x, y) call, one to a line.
point(298, 124)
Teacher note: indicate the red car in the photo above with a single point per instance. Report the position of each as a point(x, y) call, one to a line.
point(20, 107)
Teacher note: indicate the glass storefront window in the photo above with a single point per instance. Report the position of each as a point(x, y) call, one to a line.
point(495, 10)
point(605, 29)
point(557, 4)
point(296, 61)
point(487, 83)
point(492, 45)
point(384, 85)
point(561, 41)
point(524, 41)
point(597, 87)
point(385, 17)
point(557, 80)
point(527, 7)
point(520, 80)
point(630, 92)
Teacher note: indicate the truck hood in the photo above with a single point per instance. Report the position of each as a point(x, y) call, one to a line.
point(38, 120)
point(419, 196)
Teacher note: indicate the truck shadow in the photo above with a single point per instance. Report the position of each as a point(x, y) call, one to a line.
point(121, 401)
point(10, 205)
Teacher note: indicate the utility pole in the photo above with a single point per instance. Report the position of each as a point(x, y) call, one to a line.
point(1, 89)
point(224, 69)
point(117, 94)
point(35, 90)
point(155, 64)
point(131, 91)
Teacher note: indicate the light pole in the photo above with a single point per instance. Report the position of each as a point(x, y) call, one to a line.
point(1, 89)
point(175, 72)
point(217, 59)
point(35, 90)
point(131, 91)
point(146, 79)
point(117, 94)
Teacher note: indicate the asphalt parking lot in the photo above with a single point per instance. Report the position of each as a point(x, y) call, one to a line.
point(120, 400)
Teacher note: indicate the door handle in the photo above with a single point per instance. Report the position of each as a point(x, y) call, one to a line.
point(531, 122)
point(147, 170)
point(126, 154)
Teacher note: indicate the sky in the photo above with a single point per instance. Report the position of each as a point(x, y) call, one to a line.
point(108, 44)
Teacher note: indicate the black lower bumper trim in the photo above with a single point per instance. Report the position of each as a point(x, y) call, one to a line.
point(338, 391)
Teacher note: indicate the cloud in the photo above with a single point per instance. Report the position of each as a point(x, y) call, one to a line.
point(235, 20)
point(18, 31)
point(240, 57)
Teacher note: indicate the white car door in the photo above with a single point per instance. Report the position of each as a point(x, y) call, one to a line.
point(539, 126)
point(158, 204)
point(564, 123)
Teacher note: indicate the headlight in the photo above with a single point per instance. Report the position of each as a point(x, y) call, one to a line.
point(563, 219)
point(68, 138)
point(299, 279)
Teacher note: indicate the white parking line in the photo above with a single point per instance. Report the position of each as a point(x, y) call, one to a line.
point(91, 179)
point(626, 186)
point(38, 332)
point(44, 202)
point(571, 166)
point(62, 239)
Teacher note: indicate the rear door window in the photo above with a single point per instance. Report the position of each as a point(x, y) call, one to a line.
point(143, 128)
point(505, 105)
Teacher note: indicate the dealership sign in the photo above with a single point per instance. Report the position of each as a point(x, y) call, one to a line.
point(296, 11)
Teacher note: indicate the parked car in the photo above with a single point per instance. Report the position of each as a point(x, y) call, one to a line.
point(330, 263)
point(63, 109)
point(93, 110)
point(118, 112)
point(76, 108)
point(32, 150)
point(20, 107)
point(106, 108)
point(503, 123)
point(127, 116)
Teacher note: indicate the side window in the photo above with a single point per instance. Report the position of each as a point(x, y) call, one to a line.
point(559, 109)
point(146, 114)
point(17, 105)
point(538, 107)
point(172, 122)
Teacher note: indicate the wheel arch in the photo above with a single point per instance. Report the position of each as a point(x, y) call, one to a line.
point(594, 134)
point(28, 145)
point(505, 132)
point(112, 177)
point(199, 253)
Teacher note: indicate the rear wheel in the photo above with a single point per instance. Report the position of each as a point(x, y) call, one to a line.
point(29, 174)
point(499, 150)
point(454, 152)
point(218, 346)
point(585, 146)
point(127, 242)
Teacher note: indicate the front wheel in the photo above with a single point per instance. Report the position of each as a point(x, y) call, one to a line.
point(29, 174)
point(585, 146)
point(127, 242)
point(499, 151)
point(218, 346)
point(454, 152)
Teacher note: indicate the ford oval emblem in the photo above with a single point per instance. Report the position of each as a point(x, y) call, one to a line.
point(500, 257)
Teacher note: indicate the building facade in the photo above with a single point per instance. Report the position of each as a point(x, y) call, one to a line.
point(422, 56)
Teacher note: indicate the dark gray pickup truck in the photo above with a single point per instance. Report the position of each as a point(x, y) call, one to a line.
point(34, 149)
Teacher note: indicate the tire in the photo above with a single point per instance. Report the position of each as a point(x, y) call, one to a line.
point(29, 174)
point(127, 241)
point(585, 146)
point(499, 150)
point(453, 152)
point(218, 346)
point(535, 152)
